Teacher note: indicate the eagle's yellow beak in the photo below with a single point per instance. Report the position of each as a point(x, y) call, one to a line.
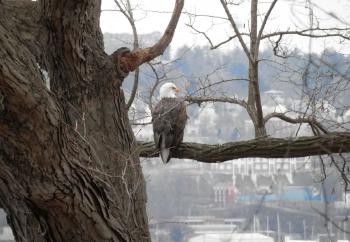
point(177, 90)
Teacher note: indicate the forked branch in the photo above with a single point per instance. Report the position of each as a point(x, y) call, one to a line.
point(267, 15)
point(235, 28)
point(309, 120)
point(212, 45)
point(130, 60)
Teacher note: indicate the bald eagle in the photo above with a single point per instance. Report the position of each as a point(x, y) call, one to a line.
point(169, 119)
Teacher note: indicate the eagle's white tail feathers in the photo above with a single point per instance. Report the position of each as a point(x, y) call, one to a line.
point(164, 152)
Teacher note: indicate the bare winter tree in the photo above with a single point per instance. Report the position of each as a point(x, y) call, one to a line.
point(250, 42)
point(69, 161)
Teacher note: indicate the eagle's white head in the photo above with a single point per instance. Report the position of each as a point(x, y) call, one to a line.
point(168, 90)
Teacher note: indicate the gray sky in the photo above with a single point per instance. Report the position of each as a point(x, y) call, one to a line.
point(153, 15)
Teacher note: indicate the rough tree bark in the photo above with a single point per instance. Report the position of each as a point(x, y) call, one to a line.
point(70, 168)
point(67, 157)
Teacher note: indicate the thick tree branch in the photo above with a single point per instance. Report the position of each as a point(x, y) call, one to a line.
point(130, 60)
point(263, 147)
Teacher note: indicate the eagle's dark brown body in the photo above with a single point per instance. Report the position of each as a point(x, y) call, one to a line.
point(169, 119)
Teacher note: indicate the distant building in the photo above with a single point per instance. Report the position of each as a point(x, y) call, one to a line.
point(255, 167)
point(270, 166)
point(287, 239)
point(344, 202)
point(231, 237)
point(224, 192)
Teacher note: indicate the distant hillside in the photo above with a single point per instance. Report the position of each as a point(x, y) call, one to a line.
point(281, 84)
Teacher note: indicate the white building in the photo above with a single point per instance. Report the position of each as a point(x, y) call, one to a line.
point(231, 237)
point(269, 167)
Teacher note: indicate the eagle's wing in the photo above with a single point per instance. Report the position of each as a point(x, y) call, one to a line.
point(169, 120)
point(180, 123)
point(160, 118)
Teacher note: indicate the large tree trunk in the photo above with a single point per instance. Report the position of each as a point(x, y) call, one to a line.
point(69, 160)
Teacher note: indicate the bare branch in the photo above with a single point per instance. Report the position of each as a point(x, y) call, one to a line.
point(226, 41)
point(202, 33)
point(154, 87)
point(305, 33)
point(261, 147)
point(130, 17)
point(134, 88)
point(264, 23)
point(276, 46)
point(212, 45)
point(130, 60)
point(310, 120)
point(341, 169)
point(329, 13)
point(239, 35)
point(201, 99)
point(209, 85)
point(146, 11)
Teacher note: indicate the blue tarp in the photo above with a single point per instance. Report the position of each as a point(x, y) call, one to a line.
point(291, 194)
